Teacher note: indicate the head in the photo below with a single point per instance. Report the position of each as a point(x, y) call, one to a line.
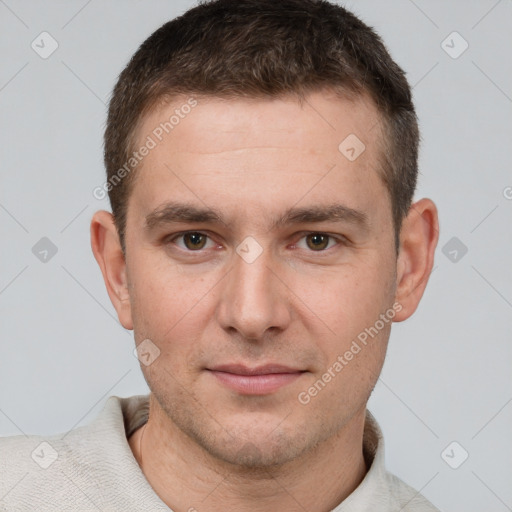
point(263, 218)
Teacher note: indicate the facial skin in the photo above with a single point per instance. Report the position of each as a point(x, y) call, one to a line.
point(213, 436)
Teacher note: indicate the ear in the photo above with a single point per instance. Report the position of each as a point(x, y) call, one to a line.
point(418, 241)
point(110, 257)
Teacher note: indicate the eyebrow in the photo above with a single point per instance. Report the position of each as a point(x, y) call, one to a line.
point(182, 212)
point(328, 213)
point(177, 212)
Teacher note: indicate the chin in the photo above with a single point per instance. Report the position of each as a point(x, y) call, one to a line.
point(254, 455)
point(253, 446)
point(244, 440)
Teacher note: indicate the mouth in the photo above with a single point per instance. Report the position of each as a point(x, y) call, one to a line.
point(260, 380)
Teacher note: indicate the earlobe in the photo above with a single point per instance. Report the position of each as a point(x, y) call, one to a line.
point(418, 241)
point(110, 257)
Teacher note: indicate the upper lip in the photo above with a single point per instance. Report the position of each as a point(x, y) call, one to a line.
point(240, 369)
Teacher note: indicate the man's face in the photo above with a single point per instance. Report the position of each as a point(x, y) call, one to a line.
point(298, 260)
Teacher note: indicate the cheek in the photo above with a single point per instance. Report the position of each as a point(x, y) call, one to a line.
point(354, 350)
point(347, 300)
point(362, 322)
point(166, 304)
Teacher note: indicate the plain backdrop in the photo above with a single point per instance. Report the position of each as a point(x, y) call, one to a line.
point(447, 377)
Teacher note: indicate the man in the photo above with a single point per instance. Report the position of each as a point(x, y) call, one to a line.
point(261, 162)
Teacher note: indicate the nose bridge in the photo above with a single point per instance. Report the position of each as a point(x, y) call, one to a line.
point(252, 300)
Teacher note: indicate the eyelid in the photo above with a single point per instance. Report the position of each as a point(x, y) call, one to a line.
point(172, 238)
point(339, 239)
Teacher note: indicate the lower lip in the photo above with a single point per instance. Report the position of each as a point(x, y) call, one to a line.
point(255, 384)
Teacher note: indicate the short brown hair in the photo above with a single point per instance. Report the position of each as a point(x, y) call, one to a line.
point(264, 48)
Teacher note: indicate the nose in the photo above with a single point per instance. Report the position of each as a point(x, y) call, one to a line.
point(253, 299)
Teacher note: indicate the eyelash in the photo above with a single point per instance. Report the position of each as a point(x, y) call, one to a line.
point(339, 240)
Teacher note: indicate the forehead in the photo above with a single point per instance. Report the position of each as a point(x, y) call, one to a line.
point(265, 151)
point(321, 115)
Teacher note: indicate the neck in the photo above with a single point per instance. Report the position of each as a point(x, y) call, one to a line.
point(186, 478)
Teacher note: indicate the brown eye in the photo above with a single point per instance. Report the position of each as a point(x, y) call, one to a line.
point(194, 241)
point(317, 241)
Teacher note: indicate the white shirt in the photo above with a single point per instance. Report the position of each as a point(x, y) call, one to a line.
point(92, 468)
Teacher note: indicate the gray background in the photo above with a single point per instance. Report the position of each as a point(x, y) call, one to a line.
point(447, 377)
